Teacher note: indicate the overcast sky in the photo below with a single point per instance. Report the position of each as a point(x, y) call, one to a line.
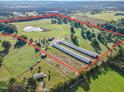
point(61, 0)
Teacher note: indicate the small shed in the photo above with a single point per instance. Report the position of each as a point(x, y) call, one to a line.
point(39, 76)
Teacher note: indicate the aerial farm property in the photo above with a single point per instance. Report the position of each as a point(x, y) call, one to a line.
point(55, 47)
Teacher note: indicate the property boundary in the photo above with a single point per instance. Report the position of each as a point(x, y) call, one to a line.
point(71, 19)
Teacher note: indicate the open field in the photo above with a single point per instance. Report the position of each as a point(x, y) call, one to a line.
point(18, 60)
point(109, 81)
point(108, 16)
point(102, 17)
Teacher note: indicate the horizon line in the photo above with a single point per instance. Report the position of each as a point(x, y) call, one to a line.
point(69, 0)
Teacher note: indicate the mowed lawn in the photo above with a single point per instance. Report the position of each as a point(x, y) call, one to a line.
point(109, 82)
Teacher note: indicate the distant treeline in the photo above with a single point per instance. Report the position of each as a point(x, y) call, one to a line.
point(119, 14)
point(64, 7)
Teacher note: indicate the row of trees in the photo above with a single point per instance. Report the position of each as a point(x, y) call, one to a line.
point(20, 86)
point(115, 26)
point(117, 62)
point(20, 43)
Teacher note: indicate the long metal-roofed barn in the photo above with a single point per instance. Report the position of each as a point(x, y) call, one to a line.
point(71, 53)
point(89, 53)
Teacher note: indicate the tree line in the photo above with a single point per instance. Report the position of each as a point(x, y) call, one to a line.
point(115, 26)
point(7, 28)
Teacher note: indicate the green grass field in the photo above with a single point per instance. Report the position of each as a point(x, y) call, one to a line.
point(108, 82)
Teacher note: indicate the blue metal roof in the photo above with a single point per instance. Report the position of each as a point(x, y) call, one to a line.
point(73, 54)
point(80, 49)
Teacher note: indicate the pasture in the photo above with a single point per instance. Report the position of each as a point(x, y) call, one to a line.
point(109, 81)
point(101, 18)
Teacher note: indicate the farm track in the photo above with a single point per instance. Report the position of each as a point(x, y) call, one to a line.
point(75, 63)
